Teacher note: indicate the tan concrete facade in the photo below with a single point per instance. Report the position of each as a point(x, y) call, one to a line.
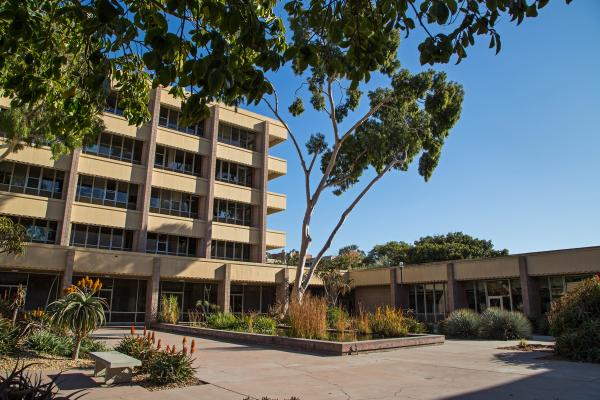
point(526, 274)
point(202, 264)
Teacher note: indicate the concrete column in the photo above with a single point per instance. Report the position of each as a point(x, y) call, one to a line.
point(282, 293)
point(69, 196)
point(224, 290)
point(529, 291)
point(211, 165)
point(398, 291)
point(152, 292)
point(456, 293)
point(148, 162)
point(263, 148)
point(67, 278)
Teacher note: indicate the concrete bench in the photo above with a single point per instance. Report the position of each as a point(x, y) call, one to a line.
point(114, 366)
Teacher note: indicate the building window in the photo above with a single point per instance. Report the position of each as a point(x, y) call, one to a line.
point(223, 250)
point(112, 104)
point(171, 202)
point(251, 299)
point(233, 173)
point(116, 147)
point(169, 118)
point(30, 179)
point(158, 243)
point(188, 294)
point(177, 160)
point(109, 192)
point(236, 136)
point(552, 288)
point(40, 289)
point(38, 230)
point(428, 301)
point(101, 237)
point(231, 212)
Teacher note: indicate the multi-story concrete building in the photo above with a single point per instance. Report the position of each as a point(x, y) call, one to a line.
point(162, 208)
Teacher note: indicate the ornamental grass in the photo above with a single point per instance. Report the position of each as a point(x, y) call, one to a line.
point(308, 319)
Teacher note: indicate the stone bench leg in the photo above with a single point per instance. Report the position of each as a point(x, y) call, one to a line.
point(99, 368)
point(118, 375)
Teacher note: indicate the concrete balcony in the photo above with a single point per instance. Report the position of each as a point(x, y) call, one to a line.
point(172, 138)
point(41, 156)
point(31, 206)
point(119, 125)
point(180, 182)
point(99, 166)
point(276, 202)
point(239, 155)
point(173, 225)
point(235, 233)
point(95, 214)
point(275, 239)
point(277, 167)
point(242, 194)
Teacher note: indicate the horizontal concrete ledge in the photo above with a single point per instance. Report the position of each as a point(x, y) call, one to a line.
point(304, 345)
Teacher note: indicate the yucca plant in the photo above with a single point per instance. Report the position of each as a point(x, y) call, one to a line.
point(79, 312)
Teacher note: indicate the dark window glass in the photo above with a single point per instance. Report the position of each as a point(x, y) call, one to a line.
point(107, 192)
point(170, 202)
point(177, 160)
point(170, 244)
point(230, 250)
point(116, 147)
point(101, 237)
point(112, 104)
point(231, 212)
point(37, 181)
point(38, 230)
point(236, 136)
point(170, 118)
point(233, 173)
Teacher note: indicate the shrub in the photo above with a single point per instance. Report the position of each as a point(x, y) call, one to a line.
point(265, 325)
point(89, 345)
point(571, 311)
point(574, 320)
point(139, 347)
point(44, 341)
point(415, 326)
point(221, 320)
point(9, 336)
point(582, 344)
point(167, 368)
point(20, 384)
point(338, 319)
point(463, 323)
point(389, 322)
point(308, 319)
point(500, 324)
point(169, 309)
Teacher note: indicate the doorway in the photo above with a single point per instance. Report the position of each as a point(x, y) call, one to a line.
point(495, 301)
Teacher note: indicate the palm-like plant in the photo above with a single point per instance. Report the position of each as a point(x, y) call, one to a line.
point(80, 312)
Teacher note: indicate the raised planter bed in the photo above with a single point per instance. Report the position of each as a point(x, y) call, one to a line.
point(306, 345)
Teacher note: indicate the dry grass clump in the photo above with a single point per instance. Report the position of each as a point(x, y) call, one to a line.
point(362, 321)
point(308, 319)
point(389, 322)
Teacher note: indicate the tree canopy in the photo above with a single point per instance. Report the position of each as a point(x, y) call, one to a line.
point(452, 246)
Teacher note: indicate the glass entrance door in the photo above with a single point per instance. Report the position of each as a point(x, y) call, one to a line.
point(495, 301)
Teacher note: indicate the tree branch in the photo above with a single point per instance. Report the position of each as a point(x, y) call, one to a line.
point(343, 218)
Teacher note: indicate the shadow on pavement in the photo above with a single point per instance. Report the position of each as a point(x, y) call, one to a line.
point(74, 381)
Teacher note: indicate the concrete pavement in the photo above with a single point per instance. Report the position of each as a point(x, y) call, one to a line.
point(455, 370)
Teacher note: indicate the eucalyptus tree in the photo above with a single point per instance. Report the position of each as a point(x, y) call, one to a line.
point(58, 59)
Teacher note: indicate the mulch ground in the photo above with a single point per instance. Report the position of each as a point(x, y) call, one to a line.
point(530, 347)
point(145, 382)
point(42, 361)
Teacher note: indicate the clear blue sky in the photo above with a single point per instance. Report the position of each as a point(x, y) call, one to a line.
point(520, 168)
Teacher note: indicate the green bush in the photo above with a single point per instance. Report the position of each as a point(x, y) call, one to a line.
point(9, 336)
point(89, 345)
point(463, 323)
point(500, 324)
point(167, 368)
point(574, 320)
point(222, 320)
point(334, 315)
point(415, 326)
point(571, 311)
point(139, 347)
point(44, 341)
point(582, 344)
point(389, 322)
point(265, 325)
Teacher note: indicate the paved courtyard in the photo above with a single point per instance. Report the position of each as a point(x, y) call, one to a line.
point(455, 370)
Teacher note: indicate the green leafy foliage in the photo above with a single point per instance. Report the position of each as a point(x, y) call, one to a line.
point(19, 383)
point(391, 322)
point(222, 320)
point(12, 235)
point(166, 368)
point(500, 324)
point(575, 322)
point(138, 347)
point(80, 312)
point(9, 336)
point(463, 323)
point(169, 309)
point(452, 246)
point(44, 341)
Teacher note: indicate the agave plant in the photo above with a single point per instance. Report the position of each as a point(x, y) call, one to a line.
point(80, 312)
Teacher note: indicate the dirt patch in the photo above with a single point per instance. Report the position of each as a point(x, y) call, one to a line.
point(529, 347)
point(43, 361)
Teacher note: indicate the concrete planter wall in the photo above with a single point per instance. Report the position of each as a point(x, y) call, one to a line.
point(307, 345)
